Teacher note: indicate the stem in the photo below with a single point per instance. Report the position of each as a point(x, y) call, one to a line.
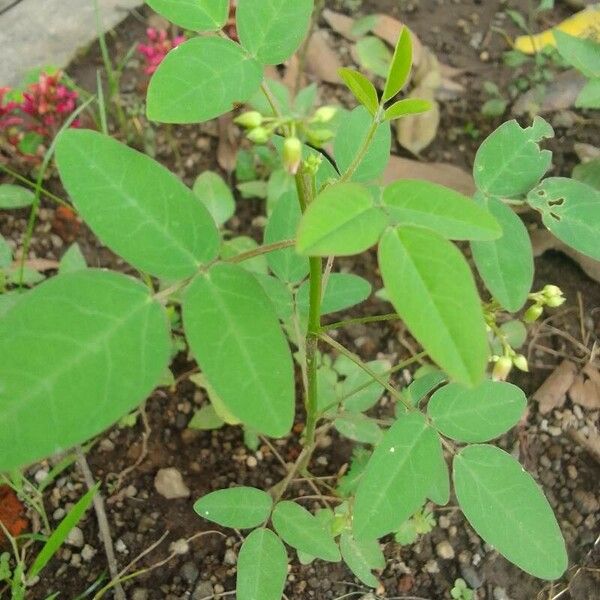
point(361, 320)
point(33, 185)
point(260, 250)
point(360, 155)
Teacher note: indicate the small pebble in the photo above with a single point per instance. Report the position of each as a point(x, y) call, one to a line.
point(445, 550)
point(180, 547)
point(251, 462)
point(58, 514)
point(169, 483)
point(87, 553)
point(75, 538)
point(230, 557)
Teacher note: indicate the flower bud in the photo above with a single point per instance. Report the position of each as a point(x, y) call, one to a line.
point(292, 154)
point(556, 301)
point(259, 135)
point(533, 313)
point(552, 291)
point(325, 114)
point(502, 368)
point(318, 137)
point(249, 120)
point(521, 363)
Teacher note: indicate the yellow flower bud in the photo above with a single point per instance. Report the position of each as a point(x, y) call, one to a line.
point(318, 137)
point(521, 363)
point(533, 313)
point(556, 301)
point(259, 135)
point(292, 154)
point(502, 368)
point(249, 120)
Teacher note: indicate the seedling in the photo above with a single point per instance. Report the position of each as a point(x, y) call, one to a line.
point(83, 349)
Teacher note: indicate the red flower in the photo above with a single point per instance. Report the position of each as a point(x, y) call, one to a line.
point(158, 46)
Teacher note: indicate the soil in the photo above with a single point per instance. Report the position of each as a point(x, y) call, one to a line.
point(140, 517)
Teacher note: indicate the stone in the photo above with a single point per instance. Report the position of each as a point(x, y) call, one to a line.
point(75, 538)
point(586, 502)
point(139, 594)
point(445, 550)
point(203, 591)
point(180, 547)
point(230, 557)
point(169, 483)
point(87, 553)
point(189, 571)
point(471, 576)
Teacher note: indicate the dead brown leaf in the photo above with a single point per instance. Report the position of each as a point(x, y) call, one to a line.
point(416, 132)
point(321, 59)
point(442, 173)
point(228, 143)
point(340, 23)
point(586, 152)
point(585, 390)
point(553, 392)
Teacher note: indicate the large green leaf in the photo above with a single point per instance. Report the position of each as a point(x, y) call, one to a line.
point(197, 15)
point(343, 291)
point(262, 567)
point(272, 31)
point(15, 196)
point(401, 64)
point(452, 215)
point(362, 557)
point(287, 264)
point(589, 173)
point(235, 335)
point(362, 88)
point(78, 352)
point(571, 211)
point(506, 264)
point(443, 310)
point(200, 80)
point(509, 511)
point(476, 414)
point(343, 220)
point(406, 468)
point(238, 507)
point(351, 135)
point(582, 53)
point(509, 162)
point(210, 189)
point(136, 206)
point(373, 55)
point(589, 97)
point(303, 531)
point(239, 245)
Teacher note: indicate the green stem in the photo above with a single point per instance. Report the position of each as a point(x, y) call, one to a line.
point(362, 152)
point(33, 185)
point(238, 258)
point(361, 320)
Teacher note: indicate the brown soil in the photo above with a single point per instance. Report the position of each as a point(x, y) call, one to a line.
point(139, 516)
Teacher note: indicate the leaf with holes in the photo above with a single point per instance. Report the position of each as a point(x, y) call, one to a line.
point(509, 511)
point(571, 211)
point(234, 333)
point(238, 507)
point(135, 206)
point(272, 31)
point(303, 531)
point(406, 468)
point(262, 567)
point(202, 79)
point(510, 162)
point(197, 15)
point(476, 414)
point(443, 310)
point(104, 363)
point(506, 264)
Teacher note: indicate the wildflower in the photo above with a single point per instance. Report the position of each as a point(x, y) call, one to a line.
point(157, 47)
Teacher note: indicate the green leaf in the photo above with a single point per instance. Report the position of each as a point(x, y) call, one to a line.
point(509, 162)
point(571, 211)
point(5, 253)
point(589, 97)
point(343, 291)
point(359, 428)
point(588, 173)
point(582, 53)
point(279, 293)
point(136, 206)
point(342, 220)
point(197, 15)
point(8, 300)
point(509, 511)
point(238, 507)
point(407, 467)
point(241, 244)
point(401, 64)
point(301, 530)
point(109, 343)
point(355, 378)
point(506, 264)
point(287, 264)
point(443, 310)
point(279, 92)
point(408, 106)
point(362, 557)
point(206, 419)
point(59, 535)
point(15, 196)
point(424, 385)
point(362, 88)
point(272, 31)
point(353, 131)
point(200, 80)
point(210, 189)
point(433, 206)
point(306, 99)
point(262, 567)
point(72, 260)
point(374, 55)
point(235, 335)
point(476, 414)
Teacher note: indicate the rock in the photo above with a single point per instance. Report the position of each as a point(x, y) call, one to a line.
point(189, 571)
point(58, 514)
point(230, 557)
point(139, 594)
point(251, 462)
point(471, 576)
point(500, 594)
point(180, 547)
point(431, 566)
point(169, 483)
point(586, 502)
point(75, 538)
point(120, 546)
point(445, 550)
point(203, 591)
point(88, 553)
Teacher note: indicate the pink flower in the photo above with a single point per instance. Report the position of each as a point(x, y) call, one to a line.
point(158, 46)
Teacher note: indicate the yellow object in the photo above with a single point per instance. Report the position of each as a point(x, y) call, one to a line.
point(584, 24)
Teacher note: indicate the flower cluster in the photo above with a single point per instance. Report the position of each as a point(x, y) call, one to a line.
point(42, 109)
point(157, 46)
